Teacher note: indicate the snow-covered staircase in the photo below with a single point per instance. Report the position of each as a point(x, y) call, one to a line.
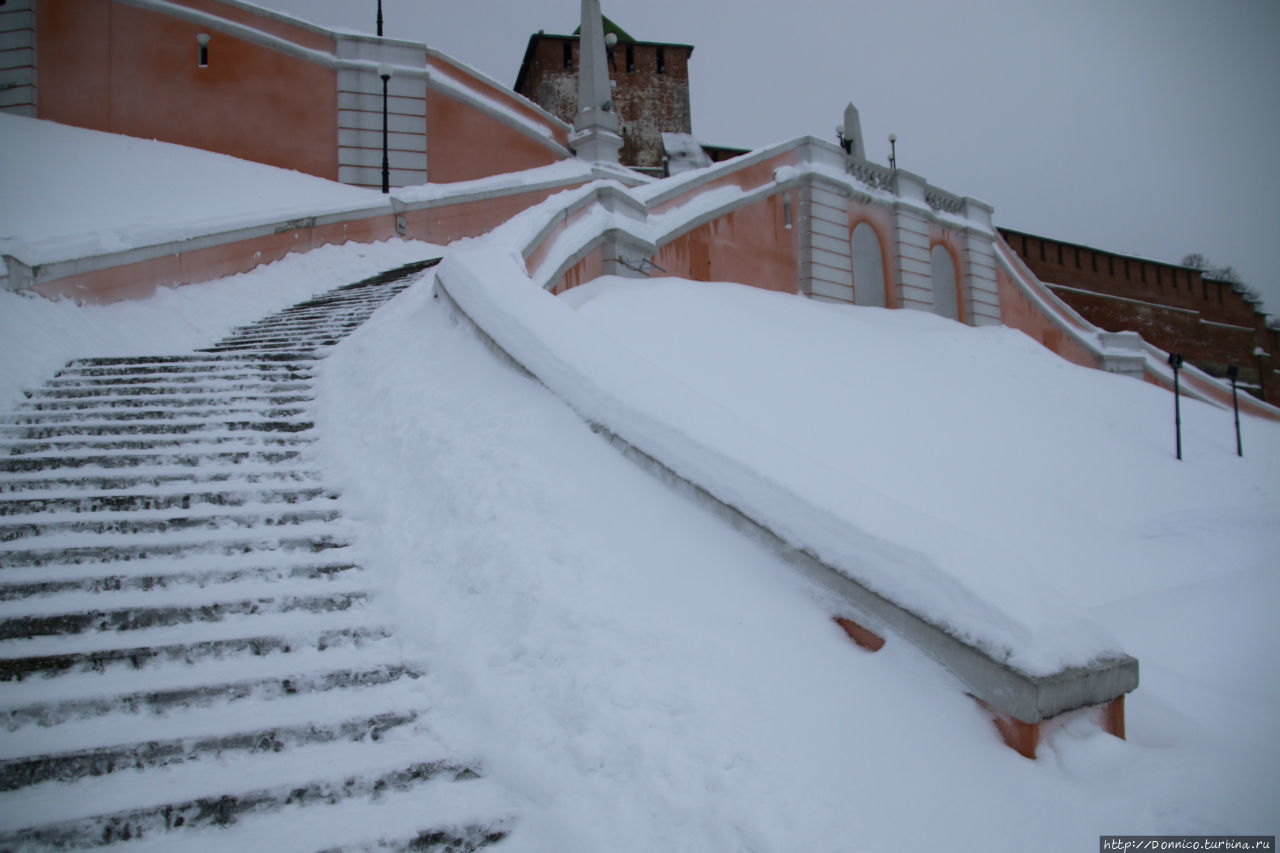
point(188, 654)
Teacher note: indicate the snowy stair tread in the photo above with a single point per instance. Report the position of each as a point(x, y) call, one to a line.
point(181, 606)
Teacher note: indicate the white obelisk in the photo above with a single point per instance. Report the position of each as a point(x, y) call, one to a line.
point(595, 128)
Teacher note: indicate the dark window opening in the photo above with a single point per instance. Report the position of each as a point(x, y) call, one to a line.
point(568, 54)
point(631, 57)
point(662, 60)
point(204, 56)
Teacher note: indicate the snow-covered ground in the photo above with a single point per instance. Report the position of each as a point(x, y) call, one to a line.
point(640, 677)
point(66, 192)
point(650, 680)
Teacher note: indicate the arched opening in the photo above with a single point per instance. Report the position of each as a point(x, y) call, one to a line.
point(868, 267)
point(946, 287)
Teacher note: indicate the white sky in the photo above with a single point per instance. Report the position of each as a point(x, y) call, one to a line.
point(1141, 126)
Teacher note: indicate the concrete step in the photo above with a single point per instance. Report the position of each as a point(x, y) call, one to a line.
point(112, 525)
point(243, 638)
point(89, 405)
point(97, 579)
point(219, 685)
point(231, 372)
point(451, 818)
point(120, 742)
point(66, 621)
point(155, 390)
point(82, 445)
point(168, 426)
point(148, 477)
point(201, 795)
point(242, 411)
point(125, 501)
point(71, 549)
point(170, 459)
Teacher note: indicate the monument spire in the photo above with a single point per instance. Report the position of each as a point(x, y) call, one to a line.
point(595, 128)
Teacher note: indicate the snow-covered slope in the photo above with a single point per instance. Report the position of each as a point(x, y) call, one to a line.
point(648, 679)
point(70, 192)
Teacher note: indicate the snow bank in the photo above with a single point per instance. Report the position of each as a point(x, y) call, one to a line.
point(640, 677)
point(975, 588)
point(70, 192)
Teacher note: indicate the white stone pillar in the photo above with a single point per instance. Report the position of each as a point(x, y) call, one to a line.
point(911, 243)
point(981, 293)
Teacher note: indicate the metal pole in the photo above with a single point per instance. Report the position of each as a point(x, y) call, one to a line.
point(379, 18)
point(386, 164)
point(1175, 361)
point(1234, 372)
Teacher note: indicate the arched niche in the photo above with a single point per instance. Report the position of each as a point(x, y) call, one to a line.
point(868, 267)
point(946, 286)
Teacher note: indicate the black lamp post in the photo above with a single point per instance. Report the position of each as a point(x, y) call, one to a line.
point(1233, 373)
point(1175, 361)
point(384, 71)
point(893, 151)
point(379, 18)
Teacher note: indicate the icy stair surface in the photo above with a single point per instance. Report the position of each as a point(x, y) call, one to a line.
point(190, 657)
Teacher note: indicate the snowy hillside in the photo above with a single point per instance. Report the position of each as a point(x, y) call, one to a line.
point(651, 681)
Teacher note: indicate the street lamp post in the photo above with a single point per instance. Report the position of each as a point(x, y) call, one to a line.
point(893, 151)
point(1233, 373)
point(379, 18)
point(384, 71)
point(1175, 361)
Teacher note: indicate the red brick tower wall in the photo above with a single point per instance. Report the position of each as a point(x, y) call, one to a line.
point(652, 95)
point(1173, 307)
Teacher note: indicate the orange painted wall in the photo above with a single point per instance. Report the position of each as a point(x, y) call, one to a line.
point(589, 268)
point(1018, 312)
point(113, 67)
point(464, 144)
point(749, 246)
point(445, 223)
point(139, 280)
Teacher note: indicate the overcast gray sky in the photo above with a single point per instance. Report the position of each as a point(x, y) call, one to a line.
point(1142, 126)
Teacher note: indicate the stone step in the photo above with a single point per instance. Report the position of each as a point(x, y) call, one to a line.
point(122, 742)
point(71, 550)
point(114, 524)
point(220, 685)
point(227, 373)
point(243, 638)
point(112, 444)
point(170, 459)
point(169, 426)
point(291, 345)
point(194, 360)
point(84, 481)
point(198, 796)
point(124, 501)
point(298, 324)
point(24, 583)
point(67, 620)
point(150, 390)
point(246, 411)
point(175, 401)
point(39, 581)
point(453, 818)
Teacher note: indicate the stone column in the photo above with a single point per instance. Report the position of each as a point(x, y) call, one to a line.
point(911, 238)
point(981, 294)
